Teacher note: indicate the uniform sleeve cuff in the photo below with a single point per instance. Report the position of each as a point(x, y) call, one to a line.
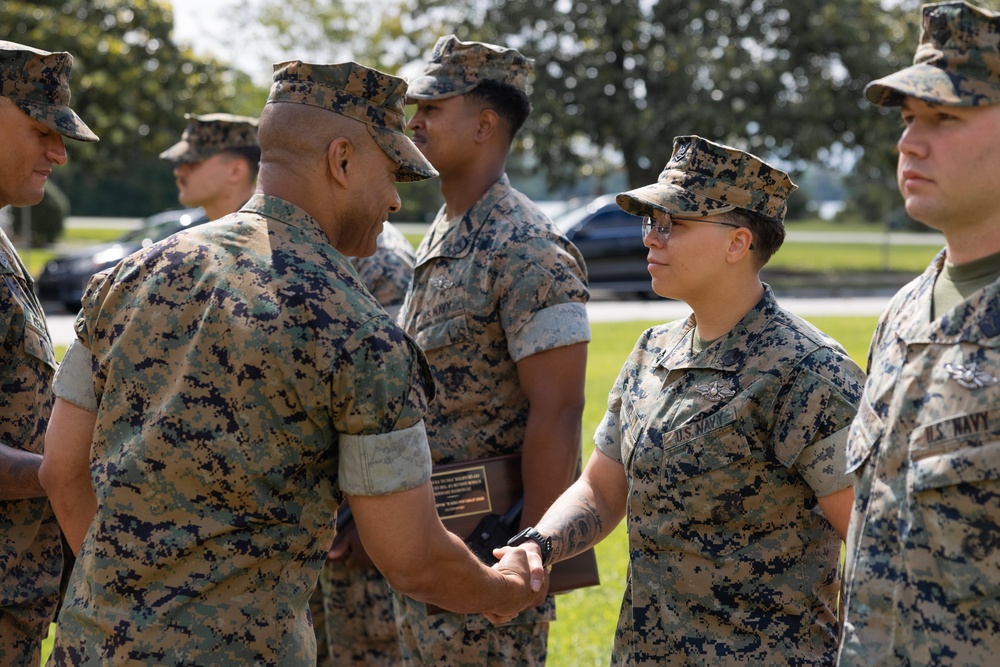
point(383, 463)
point(74, 379)
point(549, 328)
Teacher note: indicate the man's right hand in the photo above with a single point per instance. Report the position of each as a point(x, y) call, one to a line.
point(522, 567)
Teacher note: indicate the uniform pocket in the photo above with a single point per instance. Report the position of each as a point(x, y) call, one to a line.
point(955, 496)
point(724, 489)
point(444, 332)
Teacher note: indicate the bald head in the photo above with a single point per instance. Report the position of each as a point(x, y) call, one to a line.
point(297, 136)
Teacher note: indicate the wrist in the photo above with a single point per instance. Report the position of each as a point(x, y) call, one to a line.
point(530, 534)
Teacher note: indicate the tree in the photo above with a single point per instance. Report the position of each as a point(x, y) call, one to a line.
point(132, 85)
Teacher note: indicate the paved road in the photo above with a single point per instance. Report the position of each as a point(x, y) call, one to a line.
point(659, 310)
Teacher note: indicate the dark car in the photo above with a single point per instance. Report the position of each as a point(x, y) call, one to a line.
point(65, 277)
point(611, 243)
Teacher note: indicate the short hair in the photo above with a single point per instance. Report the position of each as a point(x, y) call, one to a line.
point(511, 104)
point(250, 155)
point(768, 233)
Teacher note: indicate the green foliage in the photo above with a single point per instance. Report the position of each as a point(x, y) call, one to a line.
point(47, 217)
point(132, 85)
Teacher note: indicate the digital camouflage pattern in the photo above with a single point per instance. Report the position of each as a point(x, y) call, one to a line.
point(352, 607)
point(387, 273)
point(31, 559)
point(38, 83)
point(210, 134)
point(457, 67)
point(490, 288)
point(957, 61)
point(726, 451)
point(354, 619)
point(923, 553)
point(245, 381)
point(366, 95)
point(706, 178)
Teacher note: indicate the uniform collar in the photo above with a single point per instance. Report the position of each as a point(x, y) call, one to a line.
point(454, 238)
point(286, 212)
point(727, 353)
point(977, 318)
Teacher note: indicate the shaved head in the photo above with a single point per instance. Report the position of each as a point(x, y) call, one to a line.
point(296, 136)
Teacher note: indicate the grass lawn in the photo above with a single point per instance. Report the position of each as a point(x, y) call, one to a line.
point(584, 631)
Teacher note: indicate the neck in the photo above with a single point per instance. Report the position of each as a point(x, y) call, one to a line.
point(227, 203)
point(718, 312)
point(462, 190)
point(973, 244)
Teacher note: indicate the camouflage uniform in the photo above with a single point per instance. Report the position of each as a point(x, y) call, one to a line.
point(490, 288)
point(31, 555)
point(245, 380)
point(726, 447)
point(352, 607)
point(923, 563)
point(210, 134)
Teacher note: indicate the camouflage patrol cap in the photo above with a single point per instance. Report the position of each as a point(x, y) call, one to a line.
point(705, 178)
point(38, 83)
point(364, 94)
point(210, 134)
point(457, 67)
point(957, 61)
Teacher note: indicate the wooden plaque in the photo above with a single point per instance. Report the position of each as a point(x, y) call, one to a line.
point(466, 492)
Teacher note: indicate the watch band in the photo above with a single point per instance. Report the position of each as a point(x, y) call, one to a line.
point(529, 533)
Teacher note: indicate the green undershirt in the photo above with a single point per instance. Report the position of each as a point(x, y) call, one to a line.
point(957, 282)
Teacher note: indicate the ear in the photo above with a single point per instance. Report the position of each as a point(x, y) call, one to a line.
point(340, 156)
point(489, 123)
point(740, 240)
point(238, 170)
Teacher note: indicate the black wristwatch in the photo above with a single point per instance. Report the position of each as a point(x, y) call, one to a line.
point(529, 533)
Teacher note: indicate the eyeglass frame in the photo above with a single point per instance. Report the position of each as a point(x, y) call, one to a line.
point(647, 225)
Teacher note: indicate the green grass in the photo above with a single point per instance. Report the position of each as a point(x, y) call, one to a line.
point(845, 257)
point(585, 629)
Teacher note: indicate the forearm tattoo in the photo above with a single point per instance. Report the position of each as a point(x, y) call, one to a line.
point(575, 529)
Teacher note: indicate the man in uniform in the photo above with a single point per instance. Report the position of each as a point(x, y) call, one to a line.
point(231, 384)
point(724, 441)
point(923, 556)
point(498, 305)
point(34, 117)
point(216, 162)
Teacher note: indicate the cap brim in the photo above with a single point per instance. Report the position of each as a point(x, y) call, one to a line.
point(59, 118)
point(436, 88)
point(413, 166)
point(669, 198)
point(924, 82)
point(181, 152)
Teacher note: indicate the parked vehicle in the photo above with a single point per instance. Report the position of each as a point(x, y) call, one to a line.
point(65, 277)
point(611, 243)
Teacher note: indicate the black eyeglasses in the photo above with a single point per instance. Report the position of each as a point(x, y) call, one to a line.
point(663, 230)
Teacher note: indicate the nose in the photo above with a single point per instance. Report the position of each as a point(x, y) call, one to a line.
point(653, 239)
point(911, 140)
point(181, 168)
point(55, 149)
point(415, 121)
point(397, 203)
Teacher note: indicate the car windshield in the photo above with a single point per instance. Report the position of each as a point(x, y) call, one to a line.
point(575, 216)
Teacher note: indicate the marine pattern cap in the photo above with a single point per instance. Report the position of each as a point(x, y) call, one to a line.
point(364, 94)
point(705, 178)
point(210, 134)
point(457, 67)
point(957, 61)
point(38, 83)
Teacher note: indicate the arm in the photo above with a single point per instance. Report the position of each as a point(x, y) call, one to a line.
point(553, 381)
point(19, 474)
point(588, 510)
point(837, 509)
point(65, 471)
point(407, 542)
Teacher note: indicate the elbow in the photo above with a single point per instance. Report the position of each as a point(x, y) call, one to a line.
point(419, 582)
point(48, 475)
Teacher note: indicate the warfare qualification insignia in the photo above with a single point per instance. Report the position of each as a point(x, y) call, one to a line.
point(970, 377)
point(441, 283)
point(714, 391)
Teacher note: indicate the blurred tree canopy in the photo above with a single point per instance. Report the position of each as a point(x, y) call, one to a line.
point(615, 81)
point(132, 85)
